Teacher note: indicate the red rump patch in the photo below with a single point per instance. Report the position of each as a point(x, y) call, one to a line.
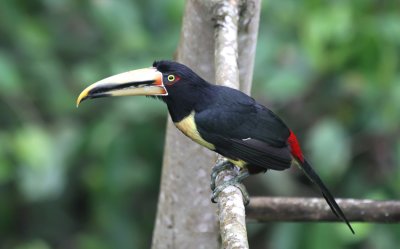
point(295, 147)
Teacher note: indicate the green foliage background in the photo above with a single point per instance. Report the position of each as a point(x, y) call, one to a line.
point(88, 178)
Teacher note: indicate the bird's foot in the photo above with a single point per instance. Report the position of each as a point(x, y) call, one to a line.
point(218, 168)
point(237, 182)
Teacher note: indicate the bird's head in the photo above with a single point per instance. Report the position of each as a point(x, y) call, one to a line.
point(165, 80)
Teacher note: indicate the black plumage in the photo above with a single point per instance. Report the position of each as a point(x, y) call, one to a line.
point(220, 118)
point(240, 128)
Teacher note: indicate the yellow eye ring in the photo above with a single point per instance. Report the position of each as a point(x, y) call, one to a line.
point(171, 77)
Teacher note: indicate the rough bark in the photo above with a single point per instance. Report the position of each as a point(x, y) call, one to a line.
point(226, 18)
point(232, 216)
point(231, 212)
point(186, 218)
point(249, 18)
point(230, 28)
point(316, 209)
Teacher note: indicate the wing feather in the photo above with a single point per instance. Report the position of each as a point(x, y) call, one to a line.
point(254, 152)
point(242, 129)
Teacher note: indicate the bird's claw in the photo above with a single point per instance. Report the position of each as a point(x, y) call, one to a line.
point(220, 166)
point(237, 182)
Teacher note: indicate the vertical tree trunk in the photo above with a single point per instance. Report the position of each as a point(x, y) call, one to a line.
point(232, 18)
point(249, 18)
point(186, 218)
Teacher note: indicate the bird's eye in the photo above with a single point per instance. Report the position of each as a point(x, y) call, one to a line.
point(171, 78)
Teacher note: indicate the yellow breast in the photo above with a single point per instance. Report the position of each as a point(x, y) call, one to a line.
point(188, 127)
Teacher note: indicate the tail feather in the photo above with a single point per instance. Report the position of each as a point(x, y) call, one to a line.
point(312, 175)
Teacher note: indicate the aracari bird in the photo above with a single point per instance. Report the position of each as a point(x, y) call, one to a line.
point(220, 118)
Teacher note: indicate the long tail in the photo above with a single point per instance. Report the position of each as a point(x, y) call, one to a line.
point(312, 175)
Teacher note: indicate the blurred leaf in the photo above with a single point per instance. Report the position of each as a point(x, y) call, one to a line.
point(33, 144)
point(54, 5)
point(33, 39)
point(6, 171)
point(280, 240)
point(384, 236)
point(321, 235)
point(10, 77)
point(42, 158)
point(396, 178)
point(129, 34)
point(86, 73)
point(285, 85)
point(36, 244)
point(388, 28)
point(362, 230)
point(329, 26)
point(87, 241)
point(330, 149)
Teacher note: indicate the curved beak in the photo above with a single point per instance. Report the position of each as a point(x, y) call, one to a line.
point(144, 82)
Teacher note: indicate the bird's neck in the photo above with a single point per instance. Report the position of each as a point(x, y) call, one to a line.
point(182, 103)
point(179, 108)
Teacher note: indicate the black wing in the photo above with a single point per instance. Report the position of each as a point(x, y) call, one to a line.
point(242, 129)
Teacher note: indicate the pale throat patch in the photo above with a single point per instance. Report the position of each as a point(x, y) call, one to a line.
point(188, 127)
